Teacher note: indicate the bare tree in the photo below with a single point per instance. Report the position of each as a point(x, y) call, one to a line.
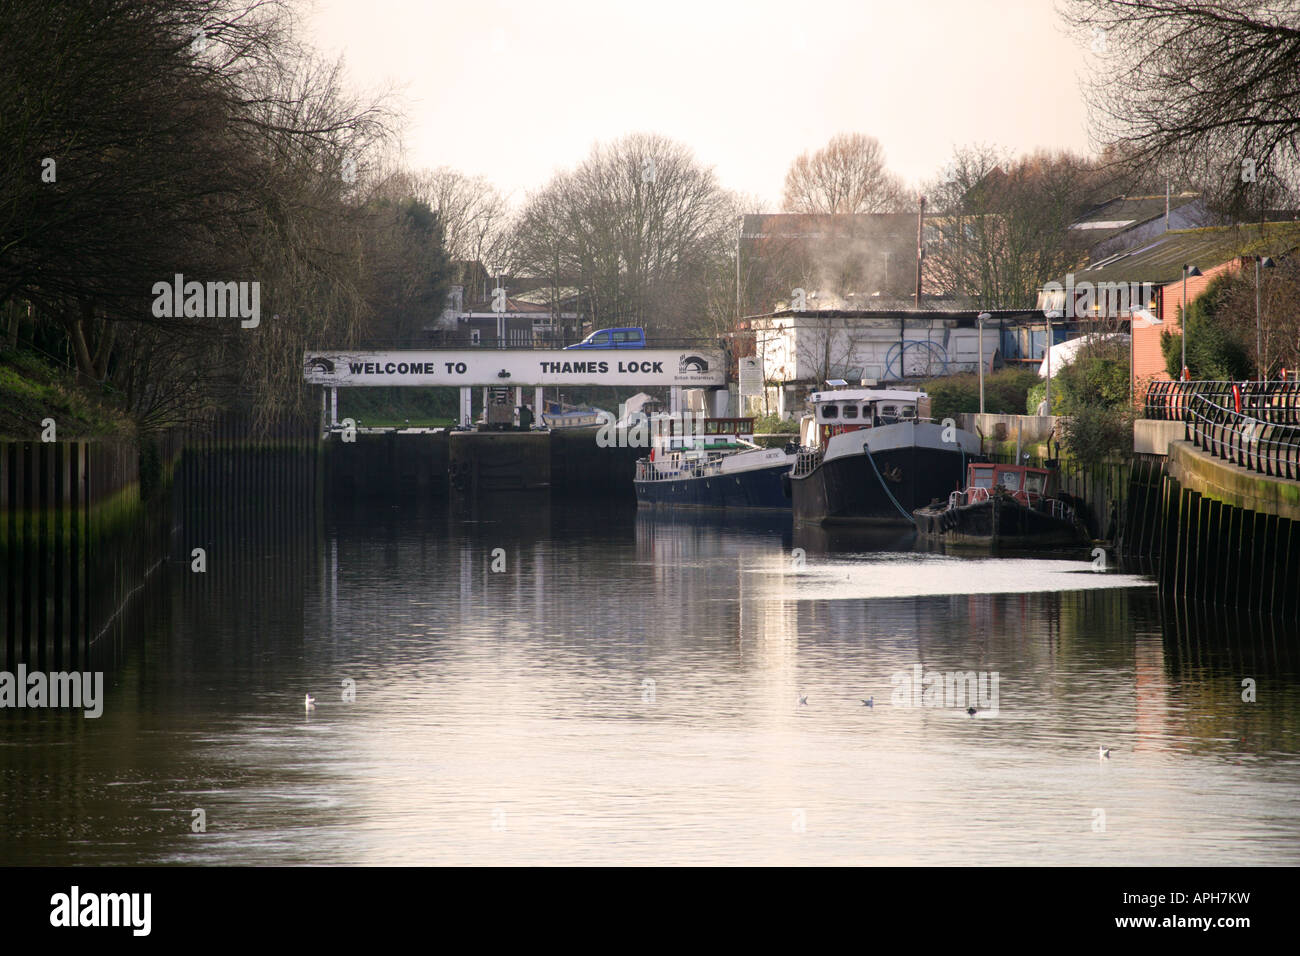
point(1213, 84)
point(639, 227)
point(847, 175)
point(1001, 225)
point(192, 137)
point(476, 217)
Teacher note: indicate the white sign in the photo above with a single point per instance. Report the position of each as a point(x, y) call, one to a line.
point(751, 377)
point(697, 368)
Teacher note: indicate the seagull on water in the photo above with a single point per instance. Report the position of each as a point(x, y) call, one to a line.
point(869, 702)
point(309, 703)
point(1103, 753)
point(803, 698)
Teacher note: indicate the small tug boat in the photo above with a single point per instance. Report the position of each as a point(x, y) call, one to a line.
point(1002, 505)
point(711, 462)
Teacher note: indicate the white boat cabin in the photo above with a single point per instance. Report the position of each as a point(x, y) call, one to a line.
point(843, 410)
point(687, 446)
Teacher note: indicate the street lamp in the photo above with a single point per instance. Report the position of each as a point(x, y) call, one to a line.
point(980, 320)
point(1187, 271)
point(1047, 399)
point(1267, 263)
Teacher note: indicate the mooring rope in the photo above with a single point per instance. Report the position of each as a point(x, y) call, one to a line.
point(866, 450)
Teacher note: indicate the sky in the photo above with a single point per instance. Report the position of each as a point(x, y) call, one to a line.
point(518, 91)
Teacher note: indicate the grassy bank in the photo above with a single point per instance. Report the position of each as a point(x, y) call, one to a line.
point(33, 389)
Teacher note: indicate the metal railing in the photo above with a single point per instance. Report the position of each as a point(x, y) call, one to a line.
point(806, 462)
point(1273, 402)
point(1056, 508)
point(1258, 444)
point(647, 470)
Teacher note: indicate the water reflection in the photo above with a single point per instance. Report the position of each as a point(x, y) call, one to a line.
point(581, 684)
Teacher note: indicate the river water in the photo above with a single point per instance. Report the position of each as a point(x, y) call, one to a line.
point(621, 689)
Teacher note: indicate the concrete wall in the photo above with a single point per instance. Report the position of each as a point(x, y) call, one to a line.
point(579, 466)
point(1032, 428)
point(388, 465)
point(498, 461)
point(1231, 484)
point(1231, 538)
point(1152, 437)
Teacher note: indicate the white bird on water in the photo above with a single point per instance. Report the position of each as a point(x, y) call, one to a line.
point(1103, 753)
point(803, 698)
point(309, 703)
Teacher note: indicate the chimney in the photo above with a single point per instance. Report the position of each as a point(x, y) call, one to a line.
point(920, 248)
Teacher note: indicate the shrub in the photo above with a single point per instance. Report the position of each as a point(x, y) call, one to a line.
point(1004, 393)
point(1098, 377)
point(1035, 397)
point(774, 423)
point(1096, 433)
point(1094, 379)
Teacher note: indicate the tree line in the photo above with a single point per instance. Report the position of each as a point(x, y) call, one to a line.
point(202, 139)
point(195, 141)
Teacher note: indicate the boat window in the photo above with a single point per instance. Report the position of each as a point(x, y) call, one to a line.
point(850, 411)
point(983, 477)
point(888, 414)
point(907, 411)
point(1034, 483)
point(830, 411)
point(1009, 480)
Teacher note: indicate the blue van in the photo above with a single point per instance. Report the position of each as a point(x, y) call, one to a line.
point(613, 339)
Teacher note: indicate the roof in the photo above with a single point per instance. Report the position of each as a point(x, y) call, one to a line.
point(1124, 212)
point(865, 395)
point(1161, 260)
point(514, 306)
point(960, 316)
point(542, 296)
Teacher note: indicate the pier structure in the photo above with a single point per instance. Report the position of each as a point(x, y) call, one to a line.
point(393, 461)
point(1224, 512)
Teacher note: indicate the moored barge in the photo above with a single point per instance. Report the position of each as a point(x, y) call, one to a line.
point(1013, 506)
point(711, 463)
point(872, 456)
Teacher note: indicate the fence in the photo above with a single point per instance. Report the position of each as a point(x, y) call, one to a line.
point(84, 525)
point(1259, 444)
point(70, 545)
point(1273, 402)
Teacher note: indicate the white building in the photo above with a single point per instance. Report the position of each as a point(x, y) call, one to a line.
point(801, 350)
